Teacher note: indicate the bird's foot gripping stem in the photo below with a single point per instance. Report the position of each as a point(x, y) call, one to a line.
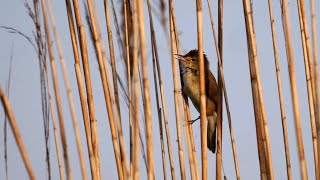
point(193, 121)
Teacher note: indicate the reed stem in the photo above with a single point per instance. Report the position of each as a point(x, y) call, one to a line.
point(136, 131)
point(69, 91)
point(309, 78)
point(164, 109)
point(176, 95)
point(16, 133)
point(221, 74)
point(256, 83)
point(294, 91)
point(55, 133)
point(280, 93)
point(57, 94)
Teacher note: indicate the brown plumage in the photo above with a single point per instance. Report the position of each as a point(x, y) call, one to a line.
point(189, 70)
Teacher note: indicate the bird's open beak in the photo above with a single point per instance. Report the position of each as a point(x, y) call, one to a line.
point(181, 58)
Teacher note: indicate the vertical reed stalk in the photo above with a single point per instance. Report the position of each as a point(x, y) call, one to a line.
point(281, 101)
point(42, 57)
point(189, 148)
point(255, 76)
point(129, 83)
point(189, 133)
point(159, 110)
point(301, 5)
point(5, 127)
point(176, 94)
point(258, 116)
point(294, 91)
point(16, 133)
point(86, 70)
point(186, 109)
point(136, 95)
point(84, 110)
point(309, 79)
point(147, 106)
point(68, 90)
point(163, 154)
point(220, 105)
point(55, 133)
point(115, 80)
point(156, 58)
point(316, 74)
point(57, 94)
point(107, 95)
point(203, 114)
point(112, 57)
point(221, 74)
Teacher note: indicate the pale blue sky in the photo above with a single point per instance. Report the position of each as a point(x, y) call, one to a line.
point(26, 102)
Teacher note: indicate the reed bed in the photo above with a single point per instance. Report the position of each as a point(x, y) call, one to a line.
point(134, 108)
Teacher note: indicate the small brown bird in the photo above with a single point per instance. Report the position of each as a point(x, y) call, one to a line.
point(189, 70)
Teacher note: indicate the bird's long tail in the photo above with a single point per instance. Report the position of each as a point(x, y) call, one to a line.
point(211, 132)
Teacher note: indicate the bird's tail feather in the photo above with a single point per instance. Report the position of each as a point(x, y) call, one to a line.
point(211, 132)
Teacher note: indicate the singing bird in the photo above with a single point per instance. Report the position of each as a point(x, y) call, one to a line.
point(189, 70)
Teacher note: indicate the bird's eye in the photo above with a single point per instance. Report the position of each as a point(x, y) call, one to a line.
point(193, 59)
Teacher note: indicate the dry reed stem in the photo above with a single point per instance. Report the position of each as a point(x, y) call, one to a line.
point(259, 129)
point(45, 76)
point(129, 84)
point(112, 95)
point(68, 90)
point(294, 92)
point(190, 136)
point(221, 74)
point(5, 124)
point(116, 96)
point(309, 79)
point(265, 130)
point(156, 58)
point(220, 105)
point(112, 57)
point(301, 6)
point(136, 131)
point(189, 132)
point(258, 116)
point(257, 82)
point(81, 91)
point(42, 57)
point(313, 88)
point(107, 95)
point(189, 148)
point(159, 110)
point(261, 149)
point(16, 133)
point(203, 97)
point(146, 90)
point(86, 70)
point(176, 96)
point(143, 118)
point(280, 93)
point(57, 93)
point(316, 74)
point(55, 133)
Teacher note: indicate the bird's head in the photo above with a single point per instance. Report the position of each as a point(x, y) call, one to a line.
point(191, 60)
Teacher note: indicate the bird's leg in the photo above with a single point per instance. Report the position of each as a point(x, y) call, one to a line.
point(193, 121)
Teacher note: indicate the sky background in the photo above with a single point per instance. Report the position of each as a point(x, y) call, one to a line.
point(26, 100)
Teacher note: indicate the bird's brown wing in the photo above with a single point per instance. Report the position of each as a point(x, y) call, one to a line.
point(212, 88)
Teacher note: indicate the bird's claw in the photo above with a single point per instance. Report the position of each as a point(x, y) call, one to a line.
point(193, 121)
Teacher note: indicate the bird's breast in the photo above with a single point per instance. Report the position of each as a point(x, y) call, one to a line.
point(191, 89)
